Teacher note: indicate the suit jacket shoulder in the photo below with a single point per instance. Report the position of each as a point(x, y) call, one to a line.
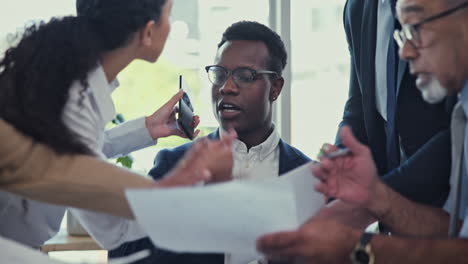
point(166, 159)
point(290, 158)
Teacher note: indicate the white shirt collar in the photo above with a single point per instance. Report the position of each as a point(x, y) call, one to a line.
point(102, 91)
point(263, 149)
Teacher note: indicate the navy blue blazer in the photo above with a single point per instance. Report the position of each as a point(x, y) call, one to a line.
point(423, 128)
point(290, 158)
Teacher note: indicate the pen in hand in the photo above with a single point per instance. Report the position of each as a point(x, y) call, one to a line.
point(338, 153)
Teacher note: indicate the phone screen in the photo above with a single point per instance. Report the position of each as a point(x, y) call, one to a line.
point(186, 110)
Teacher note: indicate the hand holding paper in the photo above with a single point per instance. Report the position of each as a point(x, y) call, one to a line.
point(225, 217)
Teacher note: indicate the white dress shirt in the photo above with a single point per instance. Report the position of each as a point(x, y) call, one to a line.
point(32, 223)
point(89, 121)
point(258, 162)
point(385, 26)
point(463, 210)
point(87, 114)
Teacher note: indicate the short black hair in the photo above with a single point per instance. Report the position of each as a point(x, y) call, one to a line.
point(251, 30)
point(115, 21)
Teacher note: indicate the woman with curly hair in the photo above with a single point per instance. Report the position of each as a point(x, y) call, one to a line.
point(56, 85)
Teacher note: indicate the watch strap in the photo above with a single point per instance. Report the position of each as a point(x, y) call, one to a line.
point(365, 238)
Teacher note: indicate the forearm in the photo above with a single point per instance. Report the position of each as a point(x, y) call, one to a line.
point(108, 231)
point(405, 217)
point(393, 249)
point(35, 171)
point(82, 182)
point(126, 138)
point(346, 214)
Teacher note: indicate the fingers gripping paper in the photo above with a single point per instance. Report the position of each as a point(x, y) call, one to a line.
point(224, 217)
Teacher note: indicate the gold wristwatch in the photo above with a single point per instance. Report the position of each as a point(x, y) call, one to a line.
point(362, 252)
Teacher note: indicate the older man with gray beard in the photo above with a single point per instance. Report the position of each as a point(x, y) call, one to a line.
point(434, 39)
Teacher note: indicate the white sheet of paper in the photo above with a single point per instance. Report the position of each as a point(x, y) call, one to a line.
point(225, 217)
point(219, 218)
point(308, 201)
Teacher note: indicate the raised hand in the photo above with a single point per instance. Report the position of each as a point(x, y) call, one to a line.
point(163, 123)
point(206, 161)
point(314, 242)
point(190, 170)
point(221, 165)
point(351, 178)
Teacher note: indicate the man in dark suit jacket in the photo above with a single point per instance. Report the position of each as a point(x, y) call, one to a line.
point(422, 134)
point(420, 129)
point(246, 81)
point(289, 159)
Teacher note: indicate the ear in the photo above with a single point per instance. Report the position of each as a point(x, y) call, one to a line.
point(147, 32)
point(276, 88)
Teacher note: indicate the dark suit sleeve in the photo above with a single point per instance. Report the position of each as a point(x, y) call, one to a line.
point(161, 165)
point(353, 112)
point(424, 177)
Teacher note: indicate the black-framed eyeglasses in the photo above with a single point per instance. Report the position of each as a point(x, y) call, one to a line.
point(243, 76)
point(411, 32)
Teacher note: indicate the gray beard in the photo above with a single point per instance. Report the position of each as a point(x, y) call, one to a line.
point(433, 92)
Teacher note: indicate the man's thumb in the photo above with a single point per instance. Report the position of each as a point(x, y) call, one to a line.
point(350, 141)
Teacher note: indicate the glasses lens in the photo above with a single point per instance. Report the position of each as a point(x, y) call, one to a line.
point(243, 75)
point(217, 75)
point(398, 38)
point(415, 38)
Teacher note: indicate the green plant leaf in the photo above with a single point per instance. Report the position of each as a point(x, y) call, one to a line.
point(126, 161)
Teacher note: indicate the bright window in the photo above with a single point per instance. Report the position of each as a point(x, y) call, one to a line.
point(197, 27)
point(320, 72)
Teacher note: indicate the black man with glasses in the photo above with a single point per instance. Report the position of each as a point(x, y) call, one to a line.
point(246, 81)
point(433, 40)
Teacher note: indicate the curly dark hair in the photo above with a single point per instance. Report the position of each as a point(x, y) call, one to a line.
point(254, 31)
point(37, 73)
